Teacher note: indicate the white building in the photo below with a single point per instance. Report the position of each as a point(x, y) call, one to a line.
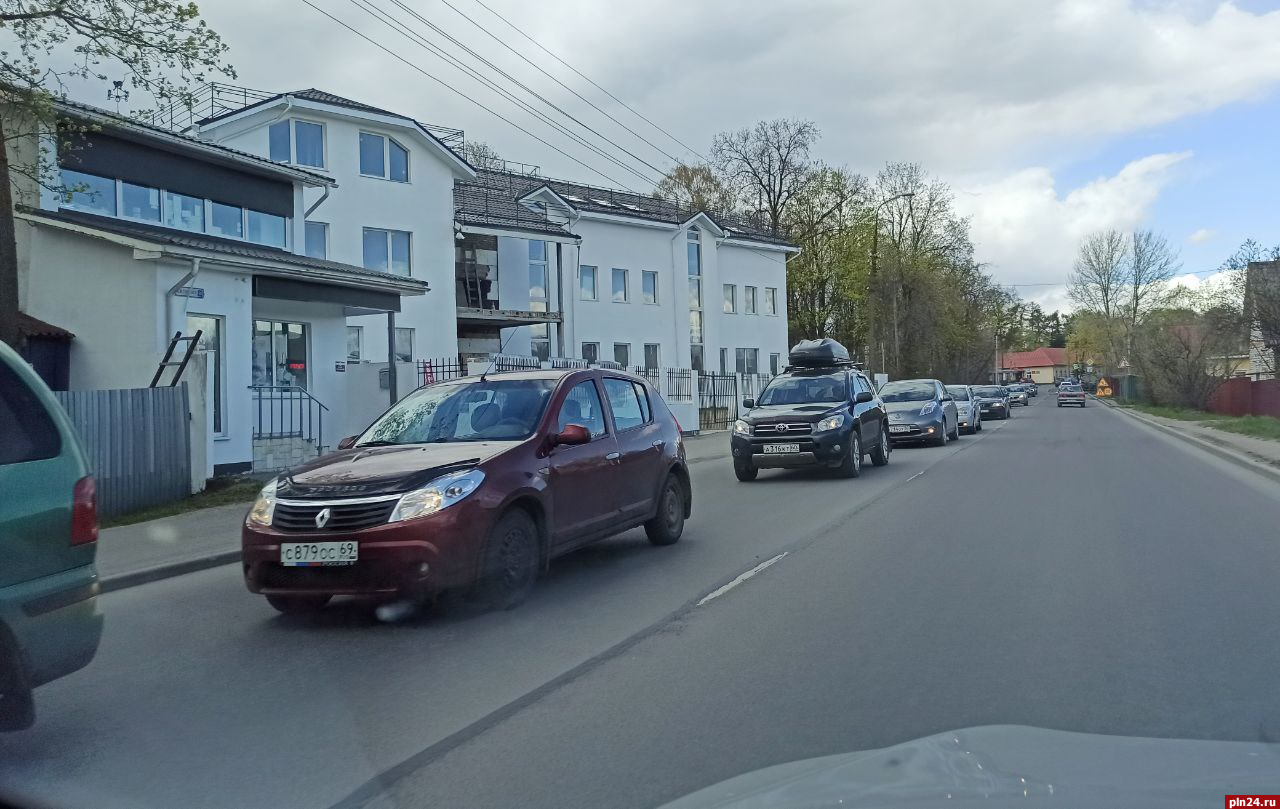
point(166, 234)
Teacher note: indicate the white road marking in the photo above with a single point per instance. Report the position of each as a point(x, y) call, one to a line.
point(913, 477)
point(753, 571)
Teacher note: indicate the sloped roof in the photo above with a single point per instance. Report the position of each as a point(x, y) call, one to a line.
point(1037, 358)
point(34, 327)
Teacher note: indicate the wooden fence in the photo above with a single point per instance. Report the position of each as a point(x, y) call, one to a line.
point(138, 444)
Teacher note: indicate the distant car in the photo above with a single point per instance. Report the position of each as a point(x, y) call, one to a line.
point(473, 484)
point(920, 410)
point(993, 401)
point(49, 621)
point(1071, 395)
point(967, 408)
point(1033, 388)
point(1018, 395)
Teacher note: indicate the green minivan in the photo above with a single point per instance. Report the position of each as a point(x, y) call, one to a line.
point(49, 621)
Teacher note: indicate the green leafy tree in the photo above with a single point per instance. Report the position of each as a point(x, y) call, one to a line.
point(159, 48)
point(695, 187)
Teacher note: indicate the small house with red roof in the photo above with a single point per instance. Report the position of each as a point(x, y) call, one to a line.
point(1043, 365)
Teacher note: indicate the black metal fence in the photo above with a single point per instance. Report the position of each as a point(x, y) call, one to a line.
point(440, 370)
point(515, 362)
point(717, 400)
point(679, 385)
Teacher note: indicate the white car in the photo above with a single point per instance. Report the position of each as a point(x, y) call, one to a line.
point(968, 409)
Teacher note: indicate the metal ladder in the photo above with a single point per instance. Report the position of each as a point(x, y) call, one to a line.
point(192, 341)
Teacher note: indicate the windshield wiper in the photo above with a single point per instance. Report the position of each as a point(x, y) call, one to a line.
point(377, 444)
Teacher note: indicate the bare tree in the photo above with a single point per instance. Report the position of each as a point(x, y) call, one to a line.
point(695, 187)
point(1099, 282)
point(1152, 262)
point(482, 156)
point(767, 164)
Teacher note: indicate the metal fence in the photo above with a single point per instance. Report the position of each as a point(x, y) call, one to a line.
point(717, 400)
point(138, 444)
point(568, 362)
point(515, 362)
point(750, 385)
point(652, 374)
point(679, 385)
point(441, 370)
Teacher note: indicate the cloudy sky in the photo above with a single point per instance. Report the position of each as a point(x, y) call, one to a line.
point(1049, 119)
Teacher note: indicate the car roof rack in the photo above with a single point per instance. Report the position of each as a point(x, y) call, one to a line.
point(833, 364)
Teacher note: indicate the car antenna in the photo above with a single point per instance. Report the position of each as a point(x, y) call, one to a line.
point(494, 360)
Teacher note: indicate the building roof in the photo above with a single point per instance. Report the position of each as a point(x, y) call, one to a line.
point(230, 247)
point(160, 135)
point(492, 199)
point(1036, 358)
point(32, 327)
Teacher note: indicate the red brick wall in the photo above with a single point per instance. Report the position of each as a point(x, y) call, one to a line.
point(1244, 397)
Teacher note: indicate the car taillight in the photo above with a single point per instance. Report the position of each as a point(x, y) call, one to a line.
point(84, 511)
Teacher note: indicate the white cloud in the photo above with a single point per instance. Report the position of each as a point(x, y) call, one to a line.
point(1201, 236)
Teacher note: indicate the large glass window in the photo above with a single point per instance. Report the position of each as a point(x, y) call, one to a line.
point(591, 352)
point(181, 211)
point(355, 343)
point(622, 354)
point(226, 220)
point(210, 328)
point(770, 300)
point(88, 192)
point(278, 136)
point(649, 286)
point(695, 299)
point(404, 345)
point(651, 355)
point(265, 228)
point(397, 162)
point(749, 300)
point(730, 298)
point(317, 234)
point(139, 202)
point(619, 285)
point(387, 251)
point(539, 333)
point(748, 360)
point(381, 156)
point(280, 356)
point(587, 283)
point(308, 144)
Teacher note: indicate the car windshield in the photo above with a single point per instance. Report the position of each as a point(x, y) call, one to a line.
point(800, 388)
point(960, 392)
point(909, 391)
point(493, 410)
point(986, 391)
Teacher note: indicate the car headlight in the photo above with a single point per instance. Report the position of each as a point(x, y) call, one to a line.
point(264, 506)
point(829, 423)
point(741, 427)
point(439, 494)
point(929, 408)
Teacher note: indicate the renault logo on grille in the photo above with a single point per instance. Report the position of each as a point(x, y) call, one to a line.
point(323, 517)
point(782, 428)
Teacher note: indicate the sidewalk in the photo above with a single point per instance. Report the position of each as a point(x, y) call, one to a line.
point(1258, 454)
point(170, 546)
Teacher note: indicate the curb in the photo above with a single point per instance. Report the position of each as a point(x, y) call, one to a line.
point(124, 581)
point(1234, 457)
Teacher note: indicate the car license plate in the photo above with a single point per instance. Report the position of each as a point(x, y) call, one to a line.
point(899, 428)
point(778, 449)
point(318, 554)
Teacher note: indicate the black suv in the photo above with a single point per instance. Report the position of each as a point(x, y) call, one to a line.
point(820, 411)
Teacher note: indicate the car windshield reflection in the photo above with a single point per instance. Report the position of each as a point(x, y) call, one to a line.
point(492, 410)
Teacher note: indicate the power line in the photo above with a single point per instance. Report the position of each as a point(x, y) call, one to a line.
point(582, 75)
point(557, 80)
point(458, 92)
point(401, 28)
point(527, 88)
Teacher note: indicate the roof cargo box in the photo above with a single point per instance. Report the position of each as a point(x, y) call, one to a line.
point(818, 353)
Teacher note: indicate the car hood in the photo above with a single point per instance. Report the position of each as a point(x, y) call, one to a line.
point(1008, 765)
point(384, 470)
point(766, 414)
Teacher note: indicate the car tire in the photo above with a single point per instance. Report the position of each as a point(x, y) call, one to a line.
point(880, 452)
point(851, 465)
point(668, 524)
point(17, 704)
point(1059, 404)
point(299, 604)
point(941, 440)
point(510, 561)
point(745, 471)
point(955, 431)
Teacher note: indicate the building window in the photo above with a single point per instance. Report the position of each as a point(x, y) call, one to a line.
point(622, 354)
point(651, 355)
point(724, 360)
point(404, 345)
point(226, 220)
point(774, 360)
point(280, 354)
point(695, 299)
point(730, 299)
point(770, 300)
point(181, 211)
point(587, 283)
point(591, 352)
point(619, 285)
point(747, 358)
point(475, 269)
point(210, 328)
point(749, 300)
point(265, 228)
point(307, 143)
point(355, 343)
point(139, 202)
point(317, 240)
point(382, 157)
point(387, 251)
point(87, 192)
point(539, 334)
point(649, 286)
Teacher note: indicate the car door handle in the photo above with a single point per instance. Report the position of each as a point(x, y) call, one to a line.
point(613, 456)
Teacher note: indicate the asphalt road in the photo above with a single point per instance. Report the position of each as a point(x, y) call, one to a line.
point(1068, 569)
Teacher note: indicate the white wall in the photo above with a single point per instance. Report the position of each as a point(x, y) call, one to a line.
point(423, 206)
point(744, 267)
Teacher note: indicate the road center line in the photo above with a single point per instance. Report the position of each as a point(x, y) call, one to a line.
point(719, 591)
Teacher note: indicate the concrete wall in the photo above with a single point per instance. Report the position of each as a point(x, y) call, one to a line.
point(745, 267)
point(367, 399)
point(423, 206)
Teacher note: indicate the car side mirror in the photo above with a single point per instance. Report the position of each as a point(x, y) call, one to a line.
point(748, 403)
point(864, 396)
point(348, 442)
point(571, 435)
point(948, 398)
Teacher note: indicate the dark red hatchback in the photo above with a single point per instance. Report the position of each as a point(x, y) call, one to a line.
point(474, 484)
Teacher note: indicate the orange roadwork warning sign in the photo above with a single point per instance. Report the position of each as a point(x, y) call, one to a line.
point(1104, 387)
